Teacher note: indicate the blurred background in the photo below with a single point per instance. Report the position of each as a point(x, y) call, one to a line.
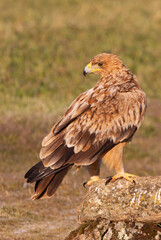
point(44, 46)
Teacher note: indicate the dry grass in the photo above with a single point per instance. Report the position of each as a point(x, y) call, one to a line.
point(44, 46)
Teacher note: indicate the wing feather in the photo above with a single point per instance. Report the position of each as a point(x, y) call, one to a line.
point(78, 106)
point(93, 124)
point(82, 142)
point(55, 156)
point(52, 146)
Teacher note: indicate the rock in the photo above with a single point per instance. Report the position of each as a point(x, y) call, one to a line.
point(121, 210)
point(103, 230)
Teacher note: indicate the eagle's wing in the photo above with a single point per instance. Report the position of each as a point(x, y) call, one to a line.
point(94, 123)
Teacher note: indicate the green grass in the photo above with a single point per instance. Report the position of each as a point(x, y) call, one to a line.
point(44, 46)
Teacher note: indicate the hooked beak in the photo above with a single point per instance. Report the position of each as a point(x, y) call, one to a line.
point(87, 69)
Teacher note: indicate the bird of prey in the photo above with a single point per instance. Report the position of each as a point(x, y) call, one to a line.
point(95, 127)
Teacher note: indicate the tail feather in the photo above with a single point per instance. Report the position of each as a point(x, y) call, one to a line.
point(40, 187)
point(47, 187)
point(56, 181)
point(36, 169)
point(38, 172)
point(47, 179)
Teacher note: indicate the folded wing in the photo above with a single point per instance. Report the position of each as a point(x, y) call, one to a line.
point(93, 124)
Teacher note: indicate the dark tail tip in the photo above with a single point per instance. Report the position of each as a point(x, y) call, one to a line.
point(47, 187)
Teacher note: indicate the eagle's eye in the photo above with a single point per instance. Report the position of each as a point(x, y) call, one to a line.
point(100, 64)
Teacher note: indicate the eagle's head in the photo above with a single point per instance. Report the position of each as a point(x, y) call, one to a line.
point(103, 64)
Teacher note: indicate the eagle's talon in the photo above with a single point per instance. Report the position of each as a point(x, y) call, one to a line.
point(108, 180)
point(126, 176)
point(92, 180)
point(84, 184)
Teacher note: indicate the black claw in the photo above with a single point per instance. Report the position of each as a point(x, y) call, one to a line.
point(134, 182)
point(84, 184)
point(108, 180)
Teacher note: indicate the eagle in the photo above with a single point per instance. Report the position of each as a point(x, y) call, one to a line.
point(94, 129)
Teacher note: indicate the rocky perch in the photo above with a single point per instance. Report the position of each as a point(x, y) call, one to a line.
point(121, 210)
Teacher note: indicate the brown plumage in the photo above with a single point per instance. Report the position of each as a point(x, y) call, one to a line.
point(96, 126)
